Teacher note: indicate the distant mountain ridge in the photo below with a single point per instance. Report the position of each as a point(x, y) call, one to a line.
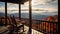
point(2, 14)
point(26, 15)
point(34, 16)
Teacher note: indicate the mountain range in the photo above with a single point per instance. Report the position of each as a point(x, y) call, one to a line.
point(26, 15)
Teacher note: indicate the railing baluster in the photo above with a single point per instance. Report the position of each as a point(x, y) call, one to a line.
point(57, 28)
point(53, 27)
point(48, 28)
point(39, 26)
point(45, 27)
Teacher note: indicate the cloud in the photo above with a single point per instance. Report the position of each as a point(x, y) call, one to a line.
point(50, 5)
point(12, 5)
point(42, 4)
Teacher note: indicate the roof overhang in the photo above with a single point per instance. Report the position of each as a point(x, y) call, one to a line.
point(15, 1)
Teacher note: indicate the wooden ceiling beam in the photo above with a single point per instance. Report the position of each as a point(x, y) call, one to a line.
point(15, 1)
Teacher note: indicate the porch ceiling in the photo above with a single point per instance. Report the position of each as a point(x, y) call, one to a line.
point(15, 1)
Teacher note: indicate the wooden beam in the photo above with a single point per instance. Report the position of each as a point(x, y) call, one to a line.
point(20, 11)
point(15, 1)
point(30, 17)
point(5, 13)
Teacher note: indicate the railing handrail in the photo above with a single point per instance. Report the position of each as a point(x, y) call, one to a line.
point(40, 20)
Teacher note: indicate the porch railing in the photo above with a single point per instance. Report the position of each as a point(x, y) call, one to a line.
point(46, 27)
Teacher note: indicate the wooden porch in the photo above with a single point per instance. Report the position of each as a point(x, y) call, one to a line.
point(13, 27)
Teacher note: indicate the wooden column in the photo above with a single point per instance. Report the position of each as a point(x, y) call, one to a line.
point(5, 13)
point(30, 17)
point(20, 11)
point(20, 15)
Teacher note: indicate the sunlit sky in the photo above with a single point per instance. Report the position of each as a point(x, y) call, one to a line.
point(39, 5)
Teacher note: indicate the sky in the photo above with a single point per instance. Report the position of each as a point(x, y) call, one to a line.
point(38, 6)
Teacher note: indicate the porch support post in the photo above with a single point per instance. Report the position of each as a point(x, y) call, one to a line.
point(5, 13)
point(19, 11)
point(30, 17)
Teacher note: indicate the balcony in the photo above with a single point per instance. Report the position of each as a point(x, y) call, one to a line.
point(12, 25)
point(41, 27)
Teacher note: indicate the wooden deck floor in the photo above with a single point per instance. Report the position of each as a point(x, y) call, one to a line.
point(26, 28)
